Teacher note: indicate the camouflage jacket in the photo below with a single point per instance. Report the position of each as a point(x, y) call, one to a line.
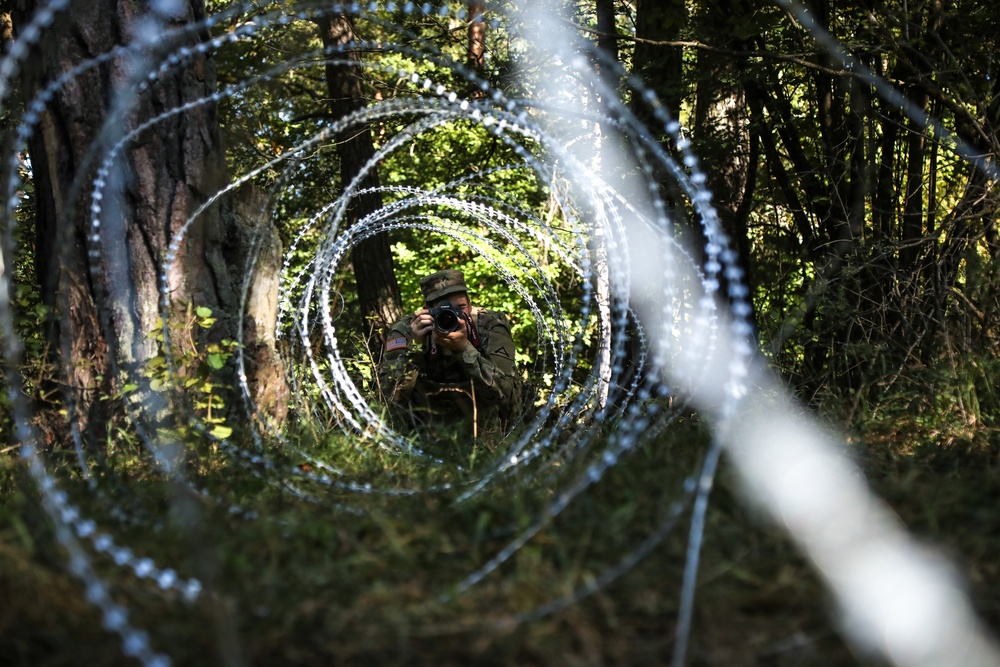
point(480, 384)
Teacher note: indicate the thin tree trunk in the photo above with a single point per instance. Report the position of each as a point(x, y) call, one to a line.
point(660, 67)
point(831, 117)
point(476, 53)
point(913, 202)
point(721, 124)
point(776, 165)
point(378, 291)
point(608, 43)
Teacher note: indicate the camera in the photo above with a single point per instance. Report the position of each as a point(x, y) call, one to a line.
point(447, 318)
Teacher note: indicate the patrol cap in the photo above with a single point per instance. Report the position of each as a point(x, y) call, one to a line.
point(442, 283)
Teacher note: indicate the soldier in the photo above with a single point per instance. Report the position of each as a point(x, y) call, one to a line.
point(450, 365)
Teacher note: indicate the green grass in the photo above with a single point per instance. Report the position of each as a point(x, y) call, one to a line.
point(357, 579)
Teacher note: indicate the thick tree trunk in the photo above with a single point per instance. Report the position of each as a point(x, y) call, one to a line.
point(378, 291)
point(914, 239)
point(883, 206)
point(104, 282)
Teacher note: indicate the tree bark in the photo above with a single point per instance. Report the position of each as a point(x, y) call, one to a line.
point(378, 292)
point(608, 43)
point(104, 283)
point(722, 128)
point(252, 235)
point(476, 53)
point(913, 199)
point(660, 67)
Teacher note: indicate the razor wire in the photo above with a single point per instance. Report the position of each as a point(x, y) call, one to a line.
point(684, 301)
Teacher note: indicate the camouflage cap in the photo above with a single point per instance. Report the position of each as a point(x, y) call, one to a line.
point(442, 283)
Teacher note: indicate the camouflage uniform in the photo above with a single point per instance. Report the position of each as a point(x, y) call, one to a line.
point(476, 391)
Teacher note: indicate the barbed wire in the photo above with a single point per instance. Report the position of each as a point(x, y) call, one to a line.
point(681, 304)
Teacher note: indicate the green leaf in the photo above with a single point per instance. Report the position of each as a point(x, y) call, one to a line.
point(203, 312)
point(216, 361)
point(221, 431)
point(207, 322)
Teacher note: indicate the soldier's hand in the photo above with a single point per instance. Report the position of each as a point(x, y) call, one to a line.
point(456, 341)
point(422, 324)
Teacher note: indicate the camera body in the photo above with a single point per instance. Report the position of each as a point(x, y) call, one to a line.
point(447, 317)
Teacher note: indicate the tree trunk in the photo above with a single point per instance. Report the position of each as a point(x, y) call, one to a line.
point(660, 67)
point(608, 43)
point(476, 53)
point(832, 121)
point(252, 236)
point(104, 283)
point(913, 201)
point(378, 292)
point(806, 240)
point(721, 126)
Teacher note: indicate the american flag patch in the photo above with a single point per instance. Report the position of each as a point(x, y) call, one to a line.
point(395, 344)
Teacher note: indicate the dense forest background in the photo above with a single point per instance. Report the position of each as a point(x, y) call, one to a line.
point(241, 229)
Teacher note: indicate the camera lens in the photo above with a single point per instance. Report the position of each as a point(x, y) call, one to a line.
point(446, 321)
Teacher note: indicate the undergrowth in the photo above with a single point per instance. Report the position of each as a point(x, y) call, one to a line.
point(307, 573)
point(367, 578)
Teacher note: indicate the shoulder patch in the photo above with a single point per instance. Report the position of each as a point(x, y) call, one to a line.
point(395, 344)
point(503, 352)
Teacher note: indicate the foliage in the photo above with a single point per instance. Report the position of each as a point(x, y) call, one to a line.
point(271, 120)
point(305, 587)
point(871, 245)
point(191, 370)
point(31, 316)
point(881, 312)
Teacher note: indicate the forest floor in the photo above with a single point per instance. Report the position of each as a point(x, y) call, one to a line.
point(361, 583)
